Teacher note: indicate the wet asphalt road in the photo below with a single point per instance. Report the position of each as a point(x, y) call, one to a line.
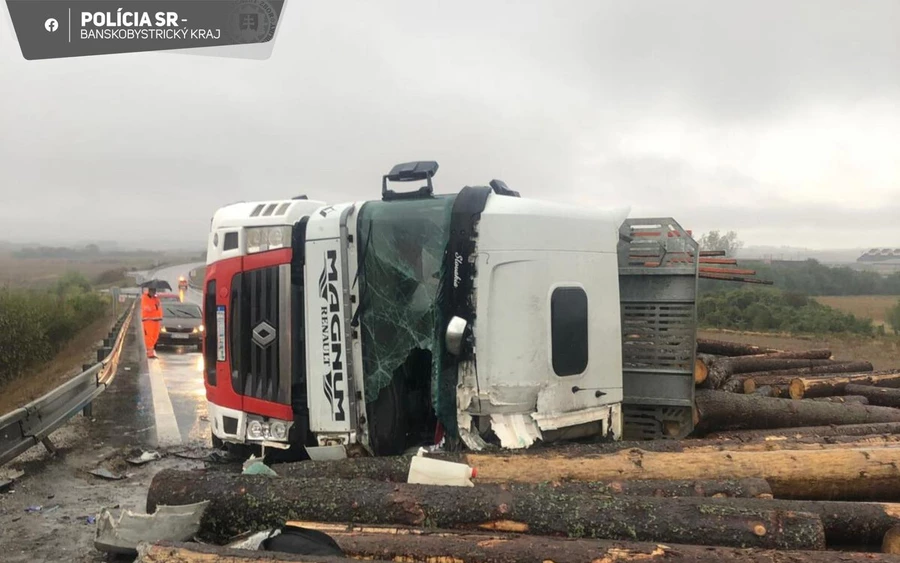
point(158, 402)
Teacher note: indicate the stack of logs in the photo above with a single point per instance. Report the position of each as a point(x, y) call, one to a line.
point(750, 388)
point(796, 459)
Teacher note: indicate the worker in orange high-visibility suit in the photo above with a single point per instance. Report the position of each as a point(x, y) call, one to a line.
point(151, 317)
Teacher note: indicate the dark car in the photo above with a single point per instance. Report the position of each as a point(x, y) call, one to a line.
point(182, 325)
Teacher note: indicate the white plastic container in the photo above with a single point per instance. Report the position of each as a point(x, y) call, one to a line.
point(428, 471)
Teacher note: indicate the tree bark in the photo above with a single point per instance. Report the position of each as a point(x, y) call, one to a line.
point(766, 391)
point(784, 377)
point(828, 473)
point(414, 546)
point(719, 410)
point(396, 468)
point(411, 545)
point(882, 396)
point(239, 503)
point(855, 399)
point(723, 369)
point(833, 367)
point(845, 430)
point(810, 387)
point(175, 552)
point(723, 348)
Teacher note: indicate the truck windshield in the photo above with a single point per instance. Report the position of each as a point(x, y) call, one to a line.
point(401, 247)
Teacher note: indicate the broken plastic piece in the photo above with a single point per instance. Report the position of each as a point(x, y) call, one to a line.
point(106, 474)
point(168, 523)
point(34, 509)
point(145, 457)
point(259, 468)
point(429, 471)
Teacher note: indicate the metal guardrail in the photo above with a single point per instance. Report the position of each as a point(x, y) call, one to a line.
point(32, 424)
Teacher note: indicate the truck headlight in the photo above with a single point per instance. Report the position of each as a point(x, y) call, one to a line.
point(278, 430)
point(255, 430)
point(260, 239)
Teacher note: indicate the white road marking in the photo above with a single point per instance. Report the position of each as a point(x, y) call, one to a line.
point(167, 433)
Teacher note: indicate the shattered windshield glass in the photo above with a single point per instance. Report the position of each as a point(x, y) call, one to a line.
point(401, 248)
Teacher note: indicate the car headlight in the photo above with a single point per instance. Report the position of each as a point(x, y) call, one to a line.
point(200, 328)
point(163, 329)
point(255, 430)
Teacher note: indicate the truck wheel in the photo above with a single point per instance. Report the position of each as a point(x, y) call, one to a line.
point(387, 419)
point(217, 443)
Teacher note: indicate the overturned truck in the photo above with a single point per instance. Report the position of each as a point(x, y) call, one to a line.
point(468, 319)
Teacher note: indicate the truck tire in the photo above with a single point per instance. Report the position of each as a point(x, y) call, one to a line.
point(388, 419)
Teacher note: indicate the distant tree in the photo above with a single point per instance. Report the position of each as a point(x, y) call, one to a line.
point(728, 242)
point(893, 317)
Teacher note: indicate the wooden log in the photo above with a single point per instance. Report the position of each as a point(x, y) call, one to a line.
point(400, 544)
point(846, 430)
point(247, 502)
point(419, 546)
point(396, 468)
point(724, 348)
point(833, 367)
point(177, 552)
point(810, 387)
point(765, 391)
point(882, 396)
point(857, 399)
point(723, 369)
point(831, 473)
point(891, 542)
point(701, 371)
point(718, 410)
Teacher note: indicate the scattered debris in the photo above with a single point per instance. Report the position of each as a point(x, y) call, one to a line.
point(255, 466)
point(90, 519)
point(145, 457)
point(8, 478)
point(105, 473)
point(430, 471)
point(37, 508)
point(168, 523)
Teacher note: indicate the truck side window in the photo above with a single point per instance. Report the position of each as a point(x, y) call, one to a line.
point(230, 242)
point(569, 330)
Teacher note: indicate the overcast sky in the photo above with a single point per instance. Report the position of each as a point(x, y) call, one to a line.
point(780, 120)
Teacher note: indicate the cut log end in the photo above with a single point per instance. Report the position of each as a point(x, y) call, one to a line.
point(797, 389)
point(749, 386)
point(701, 372)
point(891, 543)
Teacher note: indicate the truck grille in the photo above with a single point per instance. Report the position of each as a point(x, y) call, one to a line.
point(257, 340)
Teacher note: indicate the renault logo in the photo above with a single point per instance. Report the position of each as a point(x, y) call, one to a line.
point(264, 334)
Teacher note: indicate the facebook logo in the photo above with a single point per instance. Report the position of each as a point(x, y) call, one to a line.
point(51, 25)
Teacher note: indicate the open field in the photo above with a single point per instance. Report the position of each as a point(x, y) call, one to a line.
point(38, 272)
point(864, 306)
point(66, 364)
point(883, 352)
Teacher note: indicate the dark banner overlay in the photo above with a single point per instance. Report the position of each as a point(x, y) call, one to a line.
point(53, 29)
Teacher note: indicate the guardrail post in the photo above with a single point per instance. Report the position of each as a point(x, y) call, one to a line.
point(88, 410)
point(102, 353)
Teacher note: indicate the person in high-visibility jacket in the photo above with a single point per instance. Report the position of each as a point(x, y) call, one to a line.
point(151, 317)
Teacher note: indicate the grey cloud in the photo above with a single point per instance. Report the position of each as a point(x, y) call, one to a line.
point(489, 89)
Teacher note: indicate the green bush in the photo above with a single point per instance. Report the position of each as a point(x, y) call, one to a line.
point(772, 309)
point(36, 324)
